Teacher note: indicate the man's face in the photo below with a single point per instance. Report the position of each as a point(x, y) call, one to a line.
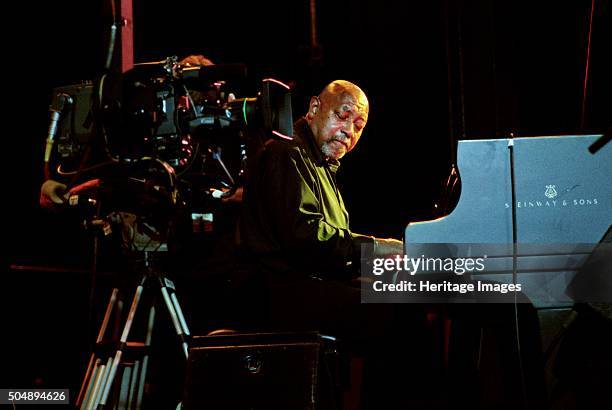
point(337, 121)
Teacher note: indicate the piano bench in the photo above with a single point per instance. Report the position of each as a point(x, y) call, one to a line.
point(231, 370)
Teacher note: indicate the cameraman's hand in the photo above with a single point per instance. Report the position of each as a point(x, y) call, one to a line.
point(388, 247)
point(195, 60)
point(236, 197)
point(52, 193)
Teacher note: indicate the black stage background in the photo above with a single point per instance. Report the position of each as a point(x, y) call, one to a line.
point(432, 70)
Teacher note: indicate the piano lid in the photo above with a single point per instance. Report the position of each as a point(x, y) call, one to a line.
point(563, 208)
point(563, 193)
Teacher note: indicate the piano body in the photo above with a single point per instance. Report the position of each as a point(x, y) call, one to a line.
point(562, 210)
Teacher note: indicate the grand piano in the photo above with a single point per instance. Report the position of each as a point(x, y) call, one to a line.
point(538, 207)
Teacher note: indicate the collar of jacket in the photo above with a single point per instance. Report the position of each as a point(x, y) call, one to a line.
point(302, 130)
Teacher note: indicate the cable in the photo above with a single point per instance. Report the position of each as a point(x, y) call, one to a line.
point(96, 103)
point(112, 37)
point(586, 69)
point(97, 106)
point(92, 280)
point(90, 168)
point(194, 157)
point(196, 145)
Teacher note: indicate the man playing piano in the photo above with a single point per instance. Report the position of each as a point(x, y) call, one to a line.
point(296, 236)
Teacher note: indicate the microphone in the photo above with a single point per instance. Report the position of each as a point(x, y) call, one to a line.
point(58, 103)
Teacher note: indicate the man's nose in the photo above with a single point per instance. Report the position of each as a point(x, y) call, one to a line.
point(349, 130)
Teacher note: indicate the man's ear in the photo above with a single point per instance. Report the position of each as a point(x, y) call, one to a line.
point(313, 107)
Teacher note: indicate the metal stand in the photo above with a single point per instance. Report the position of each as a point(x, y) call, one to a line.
point(99, 381)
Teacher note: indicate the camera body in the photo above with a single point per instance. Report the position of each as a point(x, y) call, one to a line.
point(172, 133)
point(166, 111)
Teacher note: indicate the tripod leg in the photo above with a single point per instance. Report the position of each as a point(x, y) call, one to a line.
point(134, 384)
point(122, 343)
point(89, 376)
point(134, 374)
point(127, 379)
point(91, 385)
point(92, 359)
point(98, 385)
point(145, 360)
point(175, 313)
point(179, 312)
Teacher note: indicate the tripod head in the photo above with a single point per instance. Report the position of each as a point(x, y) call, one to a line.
point(136, 202)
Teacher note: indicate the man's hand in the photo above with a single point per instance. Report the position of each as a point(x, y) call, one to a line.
point(387, 247)
point(236, 197)
point(52, 193)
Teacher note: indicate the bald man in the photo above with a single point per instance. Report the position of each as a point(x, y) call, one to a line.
point(296, 224)
point(296, 235)
point(337, 118)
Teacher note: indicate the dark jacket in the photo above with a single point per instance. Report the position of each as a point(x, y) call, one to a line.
point(294, 220)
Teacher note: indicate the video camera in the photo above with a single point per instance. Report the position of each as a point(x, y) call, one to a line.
point(177, 114)
point(164, 109)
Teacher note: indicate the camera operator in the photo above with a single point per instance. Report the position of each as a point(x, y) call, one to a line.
point(118, 186)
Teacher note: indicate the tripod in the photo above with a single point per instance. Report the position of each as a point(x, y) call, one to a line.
point(102, 370)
